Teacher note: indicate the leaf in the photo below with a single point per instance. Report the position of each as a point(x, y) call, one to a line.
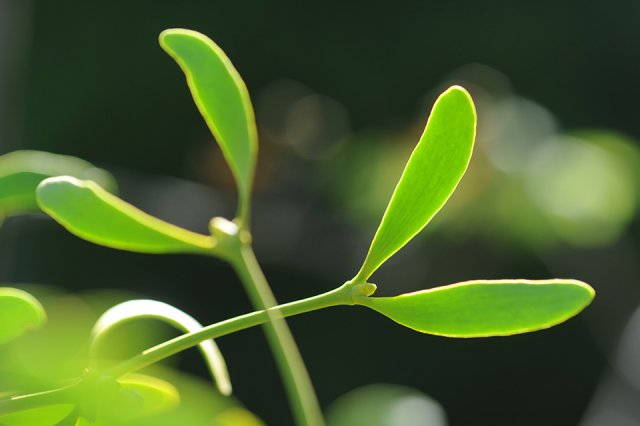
point(223, 100)
point(19, 312)
point(136, 397)
point(22, 171)
point(47, 415)
point(429, 178)
point(91, 213)
point(138, 309)
point(486, 308)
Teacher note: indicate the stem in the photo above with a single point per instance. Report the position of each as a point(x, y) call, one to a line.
point(339, 296)
point(63, 395)
point(297, 382)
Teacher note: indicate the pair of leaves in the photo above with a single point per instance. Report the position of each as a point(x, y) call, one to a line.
point(475, 308)
point(93, 214)
point(431, 175)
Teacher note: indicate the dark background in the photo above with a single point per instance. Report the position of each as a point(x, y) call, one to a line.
point(87, 78)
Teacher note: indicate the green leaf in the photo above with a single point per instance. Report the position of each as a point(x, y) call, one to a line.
point(135, 397)
point(486, 308)
point(48, 415)
point(19, 312)
point(429, 178)
point(91, 213)
point(223, 100)
point(22, 171)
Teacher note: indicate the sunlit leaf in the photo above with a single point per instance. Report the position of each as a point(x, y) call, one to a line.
point(222, 98)
point(19, 311)
point(138, 309)
point(22, 171)
point(48, 415)
point(429, 178)
point(486, 308)
point(90, 212)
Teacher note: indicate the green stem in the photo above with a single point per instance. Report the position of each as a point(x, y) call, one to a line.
point(63, 395)
point(297, 382)
point(339, 296)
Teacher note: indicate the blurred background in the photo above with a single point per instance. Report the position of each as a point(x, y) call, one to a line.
point(342, 91)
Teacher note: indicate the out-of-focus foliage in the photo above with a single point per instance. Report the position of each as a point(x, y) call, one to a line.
point(58, 354)
point(385, 405)
point(22, 171)
point(19, 312)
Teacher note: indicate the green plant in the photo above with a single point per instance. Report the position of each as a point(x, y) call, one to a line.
point(470, 309)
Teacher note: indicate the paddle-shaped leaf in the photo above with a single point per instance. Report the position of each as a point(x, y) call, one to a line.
point(429, 178)
point(152, 309)
point(223, 100)
point(19, 311)
point(91, 213)
point(486, 308)
point(22, 171)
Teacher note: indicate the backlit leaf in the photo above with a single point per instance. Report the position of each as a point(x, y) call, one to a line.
point(22, 171)
point(91, 213)
point(486, 308)
point(223, 100)
point(19, 312)
point(429, 178)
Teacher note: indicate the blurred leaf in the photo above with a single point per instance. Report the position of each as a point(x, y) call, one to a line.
point(48, 415)
point(156, 395)
point(385, 405)
point(486, 308)
point(91, 213)
point(236, 416)
point(429, 178)
point(137, 309)
point(222, 98)
point(19, 311)
point(22, 171)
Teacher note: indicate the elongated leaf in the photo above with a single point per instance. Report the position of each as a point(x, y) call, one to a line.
point(486, 308)
point(429, 178)
point(22, 171)
point(138, 309)
point(222, 98)
point(19, 312)
point(48, 415)
point(90, 212)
